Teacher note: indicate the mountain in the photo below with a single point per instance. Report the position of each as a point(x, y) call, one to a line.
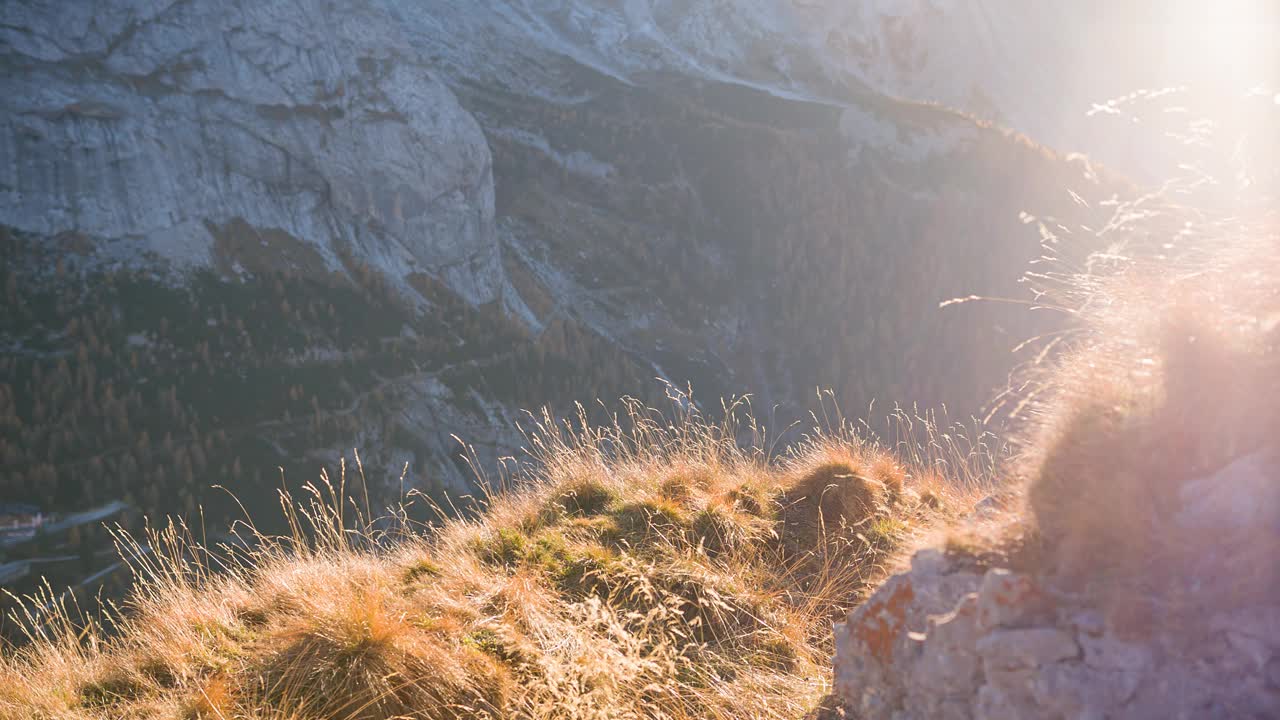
point(241, 236)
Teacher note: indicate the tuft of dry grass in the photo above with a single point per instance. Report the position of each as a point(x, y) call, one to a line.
point(1169, 373)
point(654, 568)
point(1176, 376)
point(830, 497)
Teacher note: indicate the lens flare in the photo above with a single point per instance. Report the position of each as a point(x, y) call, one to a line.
point(1230, 41)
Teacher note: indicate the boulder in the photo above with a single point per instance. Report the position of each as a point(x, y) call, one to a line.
point(1008, 647)
point(1011, 600)
point(880, 643)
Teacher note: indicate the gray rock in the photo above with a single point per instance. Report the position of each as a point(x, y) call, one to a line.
point(158, 129)
point(952, 708)
point(1256, 651)
point(1077, 690)
point(930, 562)
point(879, 644)
point(1240, 496)
point(1088, 621)
point(1068, 668)
point(1260, 622)
point(1024, 649)
point(1010, 600)
point(948, 661)
point(1183, 690)
point(997, 703)
point(1012, 679)
point(1107, 653)
point(985, 509)
point(1272, 673)
point(869, 643)
point(1055, 656)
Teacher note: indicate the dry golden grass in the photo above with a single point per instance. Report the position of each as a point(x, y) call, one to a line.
point(1177, 376)
point(1172, 370)
point(653, 569)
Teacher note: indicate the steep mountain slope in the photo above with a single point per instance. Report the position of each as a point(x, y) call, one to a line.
point(240, 237)
point(1098, 76)
point(167, 129)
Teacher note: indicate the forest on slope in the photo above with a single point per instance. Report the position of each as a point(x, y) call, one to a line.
point(188, 309)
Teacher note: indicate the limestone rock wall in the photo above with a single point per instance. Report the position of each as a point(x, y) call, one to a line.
point(176, 130)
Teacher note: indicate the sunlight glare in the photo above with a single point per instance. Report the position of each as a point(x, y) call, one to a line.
point(1233, 40)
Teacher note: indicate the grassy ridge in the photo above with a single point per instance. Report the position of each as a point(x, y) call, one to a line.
point(653, 568)
point(664, 568)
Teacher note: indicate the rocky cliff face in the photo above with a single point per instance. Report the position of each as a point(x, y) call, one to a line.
point(242, 236)
point(186, 131)
point(1112, 79)
point(951, 639)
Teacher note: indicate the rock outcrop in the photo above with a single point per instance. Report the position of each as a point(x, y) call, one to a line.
point(944, 640)
point(941, 642)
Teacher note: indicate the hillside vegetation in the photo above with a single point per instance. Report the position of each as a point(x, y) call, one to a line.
point(626, 226)
point(1171, 376)
point(674, 567)
point(653, 568)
